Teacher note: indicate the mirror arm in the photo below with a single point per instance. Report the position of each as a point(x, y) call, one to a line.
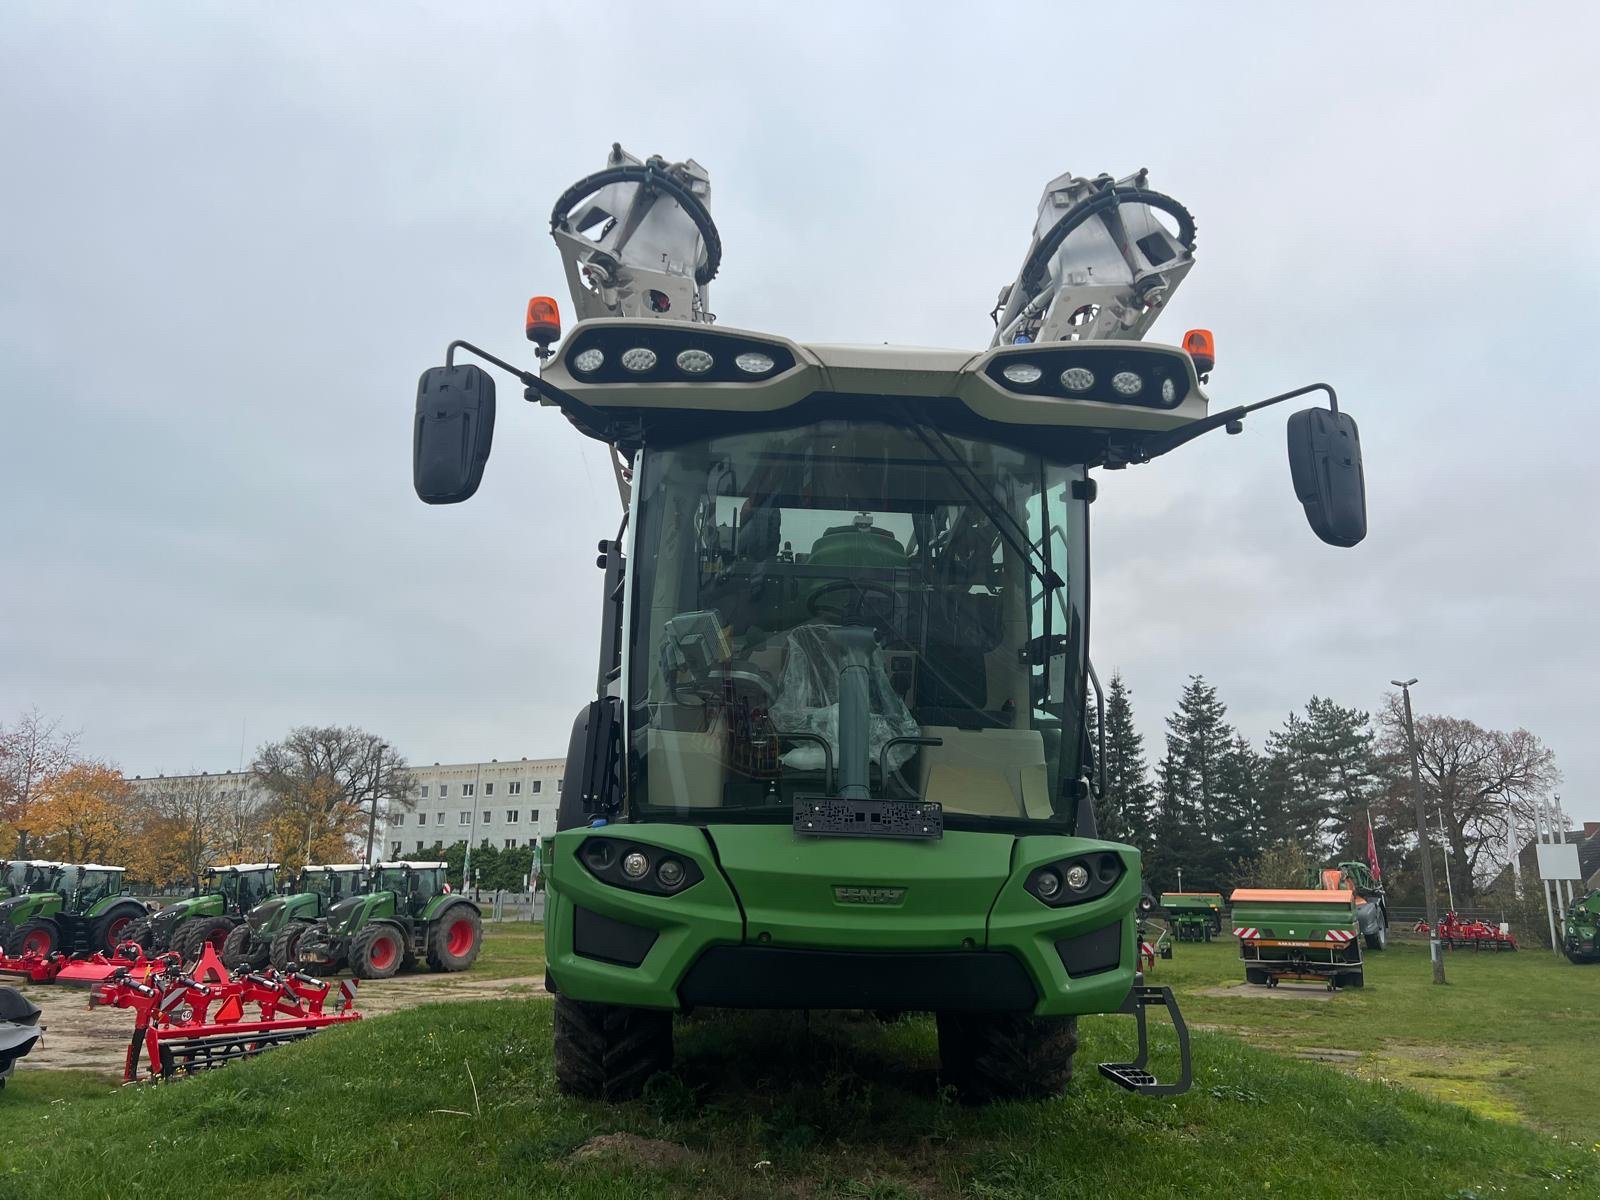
point(586, 417)
point(1162, 443)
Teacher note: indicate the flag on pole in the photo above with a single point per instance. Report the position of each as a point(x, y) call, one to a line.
point(1372, 851)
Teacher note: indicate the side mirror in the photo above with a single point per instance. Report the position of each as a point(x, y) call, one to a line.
point(453, 432)
point(1325, 464)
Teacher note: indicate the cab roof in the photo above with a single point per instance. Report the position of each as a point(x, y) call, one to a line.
point(99, 867)
point(336, 866)
point(246, 867)
point(1167, 395)
point(414, 865)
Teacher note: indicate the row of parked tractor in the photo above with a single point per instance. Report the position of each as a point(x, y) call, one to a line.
point(373, 921)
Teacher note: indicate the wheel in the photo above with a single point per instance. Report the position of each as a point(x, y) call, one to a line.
point(242, 948)
point(455, 938)
point(38, 936)
point(607, 1051)
point(376, 952)
point(111, 930)
point(1379, 940)
point(1255, 975)
point(190, 937)
point(1006, 1056)
point(284, 944)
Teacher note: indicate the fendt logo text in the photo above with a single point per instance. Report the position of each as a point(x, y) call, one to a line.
point(868, 895)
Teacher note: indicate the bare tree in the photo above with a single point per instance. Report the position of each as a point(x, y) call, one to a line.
point(327, 780)
point(31, 751)
point(1472, 777)
point(183, 826)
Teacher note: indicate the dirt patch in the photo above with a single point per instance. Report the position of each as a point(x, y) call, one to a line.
point(80, 1038)
point(631, 1148)
point(1284, 991)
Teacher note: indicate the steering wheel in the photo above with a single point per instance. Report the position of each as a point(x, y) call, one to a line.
point(868, 604)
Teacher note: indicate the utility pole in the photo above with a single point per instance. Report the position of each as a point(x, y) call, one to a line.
point(1435, 947)
point(466, 862)
point(372, 817)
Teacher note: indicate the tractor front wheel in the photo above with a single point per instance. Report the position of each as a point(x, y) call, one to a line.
point(111, 930)
point(243, 949)
point(139, 932)
point(1006, 1056)
point(454, 939)
point(608, 1051)
point(286, 944)
point(191, 936)
point(1378, 940)
point(376, 952)
point(34, 937)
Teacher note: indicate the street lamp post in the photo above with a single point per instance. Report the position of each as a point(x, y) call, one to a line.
point(1435, 947)
point(372, 817)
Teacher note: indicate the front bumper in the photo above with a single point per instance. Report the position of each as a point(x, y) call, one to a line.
point(703, 946)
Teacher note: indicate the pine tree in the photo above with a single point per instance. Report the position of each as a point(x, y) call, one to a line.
point(1129, 795)
point(1198, 736)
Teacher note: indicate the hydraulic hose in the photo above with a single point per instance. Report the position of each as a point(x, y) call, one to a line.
point(1033, 270)
point(654, 177)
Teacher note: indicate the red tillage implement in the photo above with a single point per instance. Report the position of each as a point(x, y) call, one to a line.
point(1479, 935)
point(185, 1023)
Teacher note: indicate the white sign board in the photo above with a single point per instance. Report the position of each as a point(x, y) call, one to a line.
point(1558, 861)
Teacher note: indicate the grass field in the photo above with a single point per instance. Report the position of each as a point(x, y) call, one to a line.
point(457, 1100)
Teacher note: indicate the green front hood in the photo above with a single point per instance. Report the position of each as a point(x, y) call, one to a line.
point(270, 915)
point(18, 909)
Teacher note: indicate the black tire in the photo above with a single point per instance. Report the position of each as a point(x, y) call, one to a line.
point(454, 938)
point(1379, 940)
point(285, 943)
point(110, 929)
point(377, 951)
point(191, 935)
point(1255, 975)
point(244, 949)
point(607, 1051)
point(1005, 1056)
point(39, 935)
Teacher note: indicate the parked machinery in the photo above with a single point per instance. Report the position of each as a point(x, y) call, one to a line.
point(1303, 934)
point(74, 908)
point(1372, 903)
point(271, 930)
point(224, 895)
point(409, 914)
point(1581, 939)
point(1193, 916)
point(19, 1029)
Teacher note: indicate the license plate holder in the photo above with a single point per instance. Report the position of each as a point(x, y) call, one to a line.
point(834, 816)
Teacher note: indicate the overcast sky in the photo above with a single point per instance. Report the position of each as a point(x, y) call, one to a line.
point(231, 236)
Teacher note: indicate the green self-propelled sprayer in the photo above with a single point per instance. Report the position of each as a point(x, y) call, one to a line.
point(838, 754)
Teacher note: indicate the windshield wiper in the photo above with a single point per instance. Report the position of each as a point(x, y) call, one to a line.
point(1004, 523)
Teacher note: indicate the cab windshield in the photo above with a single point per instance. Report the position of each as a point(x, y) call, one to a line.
point(754, 550)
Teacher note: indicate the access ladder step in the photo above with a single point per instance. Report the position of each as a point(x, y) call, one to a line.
point(1131, 1078)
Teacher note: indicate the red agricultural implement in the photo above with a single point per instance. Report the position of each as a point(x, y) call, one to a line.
point(184, 1023)
point(57, 967)
point(1474, 934)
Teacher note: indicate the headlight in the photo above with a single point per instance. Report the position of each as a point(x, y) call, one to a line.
point(1127, 383)
point(671, 352)
point(753, 362)
point(638, 358)
point(1075, 880)
point(695, 362)
point(1077, 379)
point(1023, 373)
point(589, 360)
point(638, 868)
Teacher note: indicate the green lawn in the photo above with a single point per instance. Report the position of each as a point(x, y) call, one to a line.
point(511, 950)
point(458, 1100)
point(1511, 1035)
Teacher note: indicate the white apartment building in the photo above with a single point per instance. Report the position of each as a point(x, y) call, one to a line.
point(494, 803)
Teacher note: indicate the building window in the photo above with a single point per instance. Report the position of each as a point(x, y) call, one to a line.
point(419, 845)
point(511, 843)
point(425, 791)
point(466, 789)
point(534, 786)
point(397, 818)
point(444, 790)
point(486, 817)
point(438, 818)
point(394, 848)
point(534, 816)
point(559, 782)
point(466, 818)
point(488, 789)
point(511, 816)
point(422, 818)
point(515, 787)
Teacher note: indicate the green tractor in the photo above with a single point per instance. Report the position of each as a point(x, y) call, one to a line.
point(1582, 934)
point(409, 914)
point(1194, 916)
point(76, 908)
point(271, 930)
point(218, 904)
